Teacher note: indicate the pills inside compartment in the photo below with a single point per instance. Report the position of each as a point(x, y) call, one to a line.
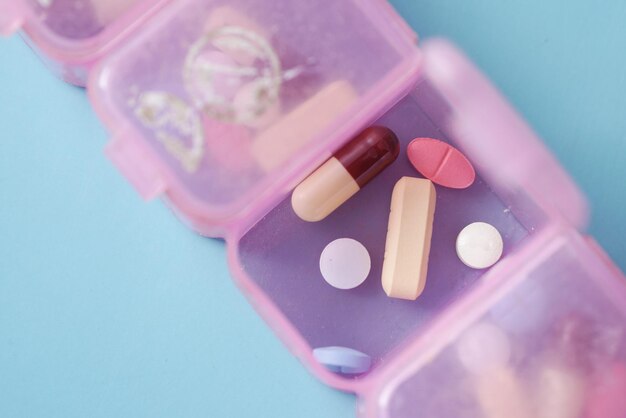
point(281, 254)
point(79, 19)
point(553, 346)
point(228, 93)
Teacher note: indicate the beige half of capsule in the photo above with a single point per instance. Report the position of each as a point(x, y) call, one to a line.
point(323, 191)
point(408, 238)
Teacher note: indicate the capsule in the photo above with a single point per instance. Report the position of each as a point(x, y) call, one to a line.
point(344, 174)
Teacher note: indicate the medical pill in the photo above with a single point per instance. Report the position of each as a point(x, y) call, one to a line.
point(483, 347)
point(342, 176)
point(343, 360)
point(345, 263)
point(479, 245)
point(408, 238)
point(441, 163)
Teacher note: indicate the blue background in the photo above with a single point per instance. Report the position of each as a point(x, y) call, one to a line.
point(109, 307)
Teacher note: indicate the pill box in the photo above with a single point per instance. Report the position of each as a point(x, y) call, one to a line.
point(72, 35)
point(223, 107)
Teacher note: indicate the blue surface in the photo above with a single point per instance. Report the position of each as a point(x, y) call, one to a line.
point(111, 308)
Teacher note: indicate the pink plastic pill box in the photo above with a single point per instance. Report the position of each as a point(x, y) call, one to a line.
point(223, 107)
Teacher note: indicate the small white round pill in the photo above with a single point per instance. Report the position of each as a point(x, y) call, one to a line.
point(483, 347)
point(345, 263)
point(479, 245)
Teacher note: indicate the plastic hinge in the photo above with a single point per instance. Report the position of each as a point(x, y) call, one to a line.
point(136, 164)
point(11, 17)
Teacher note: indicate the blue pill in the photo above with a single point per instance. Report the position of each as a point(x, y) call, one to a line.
point(343, 360)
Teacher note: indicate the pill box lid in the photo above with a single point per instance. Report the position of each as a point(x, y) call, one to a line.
point(224, 106)
point(566, 308)
point(75, 32)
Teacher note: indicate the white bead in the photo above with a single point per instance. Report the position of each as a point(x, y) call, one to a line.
point(479, 245)
point(345, 263)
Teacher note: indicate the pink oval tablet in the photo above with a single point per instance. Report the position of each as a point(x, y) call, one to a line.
point(441, 163)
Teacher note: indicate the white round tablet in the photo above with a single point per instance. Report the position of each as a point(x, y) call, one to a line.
point(479, 245)
point(345, 263)
point(482, 347)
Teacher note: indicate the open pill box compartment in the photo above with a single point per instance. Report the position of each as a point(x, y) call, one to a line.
point(71, 36)
point(223, 107)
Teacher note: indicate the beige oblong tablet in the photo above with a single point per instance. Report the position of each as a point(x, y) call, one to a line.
point(408, 238)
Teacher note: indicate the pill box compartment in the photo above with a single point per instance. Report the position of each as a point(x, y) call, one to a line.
point(220, 104)
point(549, 342)
point(78, 19)
point(72, 35)
point(280, 254)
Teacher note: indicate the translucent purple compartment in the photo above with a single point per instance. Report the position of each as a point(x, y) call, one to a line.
point(565, 332)
point(79, 19)
point(178, 87)
point(281, 252)
point(73, 19)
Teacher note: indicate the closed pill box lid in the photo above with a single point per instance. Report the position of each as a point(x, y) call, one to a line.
point(225, 105)
point(74, 31)
point(538, 344)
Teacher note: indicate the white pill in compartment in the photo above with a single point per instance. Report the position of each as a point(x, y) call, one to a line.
point(479, 245)
point(345, 263)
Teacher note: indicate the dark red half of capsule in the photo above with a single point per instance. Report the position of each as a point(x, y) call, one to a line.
point(368, 153)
